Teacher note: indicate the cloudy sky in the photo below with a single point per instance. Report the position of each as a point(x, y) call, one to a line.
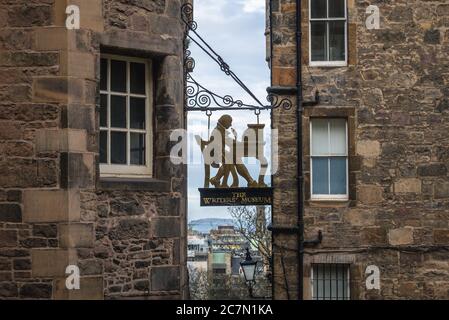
point(235, 30)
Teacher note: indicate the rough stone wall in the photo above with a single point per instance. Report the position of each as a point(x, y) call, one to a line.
point(394, 93)
point(127, 237)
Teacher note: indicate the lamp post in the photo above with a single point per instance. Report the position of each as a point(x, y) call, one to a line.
point(249, 271)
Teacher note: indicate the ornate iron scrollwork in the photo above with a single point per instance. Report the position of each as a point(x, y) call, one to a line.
point(198, 97)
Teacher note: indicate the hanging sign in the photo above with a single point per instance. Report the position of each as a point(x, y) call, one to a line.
point(215, 197)
point(224, 152)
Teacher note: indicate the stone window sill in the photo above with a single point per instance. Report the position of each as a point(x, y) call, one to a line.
point(134, 184)
point(330, 203)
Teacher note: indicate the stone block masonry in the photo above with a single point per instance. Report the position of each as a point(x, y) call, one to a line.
point(127, 236)
point(393, 93)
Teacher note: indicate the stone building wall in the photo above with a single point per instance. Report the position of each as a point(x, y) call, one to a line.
point(126, 236)
point(394, 94)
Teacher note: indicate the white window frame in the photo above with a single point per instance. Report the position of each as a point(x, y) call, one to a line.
point(328, 197)
point(348, 279)
point(328, 63)
point(128, 170)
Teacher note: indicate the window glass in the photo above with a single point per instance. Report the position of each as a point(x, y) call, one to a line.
point(137, 113)
point(124, 116)
point(320, 175)
point(118, 112)
point(336, 8)
point(103, 147)
point(118, 76)
point(319, 8)
point(137, 149)
point(328, 30)
point(219, 257)
point(103, 110)
point(319, 41)
point(118, 147)
point(338, 175)
point(330, 281)
point(337, 40)
point(320, 137)
point(137, 74)
point(329, 157)
point(104, 74)
point(337, 137)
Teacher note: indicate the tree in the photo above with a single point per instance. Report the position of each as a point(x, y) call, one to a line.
point(198, 284)
point(251, 223)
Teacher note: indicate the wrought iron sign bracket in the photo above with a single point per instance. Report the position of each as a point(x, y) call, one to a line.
point(290, 91)
point(199, 98)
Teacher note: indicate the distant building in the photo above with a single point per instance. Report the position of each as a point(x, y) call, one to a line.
point(197, 251)
point(227, 247)
point(226, 238)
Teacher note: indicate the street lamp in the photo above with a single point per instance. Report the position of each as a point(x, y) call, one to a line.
point(249, 271)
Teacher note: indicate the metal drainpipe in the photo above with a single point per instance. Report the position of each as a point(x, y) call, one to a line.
point(300, 174)
point(272, 127)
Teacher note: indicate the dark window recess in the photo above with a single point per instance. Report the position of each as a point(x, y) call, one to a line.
point(137, 113)
point(118, 148)
point(330, 281)
point(337, 40)
point(319, 41)
point(219, 271)
point(104, 75)
point(137, 149)
point(118, 112)
point(336, 8)
point(103, 147)
point(118, 76)
point(103, 110)
point(137, 81)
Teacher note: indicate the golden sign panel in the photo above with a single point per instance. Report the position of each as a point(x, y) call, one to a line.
point(225, 197)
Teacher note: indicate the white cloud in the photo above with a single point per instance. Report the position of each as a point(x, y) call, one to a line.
point(212, 11)
point(251, 6)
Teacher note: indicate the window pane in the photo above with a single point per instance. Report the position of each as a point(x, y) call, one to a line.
point(338, 175)
point(118, 112)
point(104, 74)
point(320, 282)
point(137, 78)
point(118, 76)
point(118, 147)
point(320, 175)
point(338, 136)
point(329, 280)
point(333, 279)
point(137, 113)
point(337, 41)
point(320, 138)
point(103, 147)
point(103, 110)
point(319, 40)
point(315, 285)
point(318, 9)
point(340, 283)
point(137, 149)
point(336, 8)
